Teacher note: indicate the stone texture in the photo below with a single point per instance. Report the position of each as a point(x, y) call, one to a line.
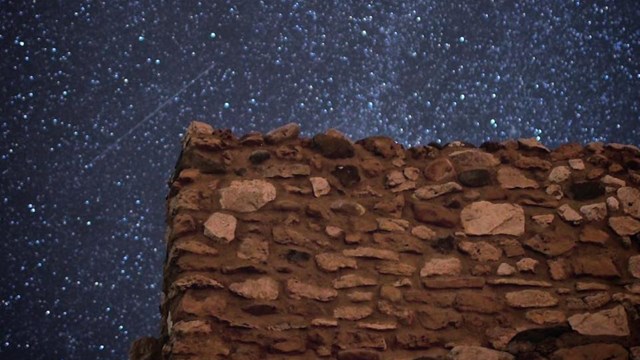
point(486, 218)
point(593, 235)
point(332, 262)
point(595, 351)
point(530, 298)
point(446, 266)
point(221, 226)
point(253, 247)
point(333, 147)
point(264, 288)
point(435, 215)
point(594, 212)
point(512, 178)
point(634, 266)
point(439, 169)
point(475, 178)
point(630, 200)
point(247, 195)
point(624, 225)
point(320, 186)
point(472, 159)
point(298, 289)
point(598, 266)
point(432, 191)
point(568, 214)
point(609, 322)
point(352, 312)
point(546, 317)
point(283, 133)
point(353, 280)
point(560, 174)
point(550, 244)
point(480, 250)
point(370, 252)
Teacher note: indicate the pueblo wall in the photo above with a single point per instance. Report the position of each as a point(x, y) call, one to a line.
point(280, 247)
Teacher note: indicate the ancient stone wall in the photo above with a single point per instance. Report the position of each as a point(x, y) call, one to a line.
point(280, 247)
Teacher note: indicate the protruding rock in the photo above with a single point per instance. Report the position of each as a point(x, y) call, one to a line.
point(475, 177)
point(630, 199)
point(527, 265)
point(545, 317)
point(382, 146)
point(560, 174)
point(432, 191)
point(221, 226)
point(332, 262)
point(624, 225)
point(423, 233)
point(505, 269)
point(333, 147)
point(569, 215)
point(348, 207)
point(576, 164)
point(613, 181)
point(373, 253)
point(486, 218)
point(634, 266)
point(464, 352)
point(594, 212)
point(247, 195)
point(480, 250)
point(285, 132)
point(610, 322)
point(550, 244)
point(352, 312)
point(320, 186)
point(395, 268)
point(434, 214)
point(599, 266)
point(543, 220)
point(530, 298)
point(447, 266)
point(473, 159)
point(453, 282)
point(532, 144)
point(512, 178)
point(353, 280)
point(298, 289)
point(439, 169)
point(264, 288)
point(348, 175)
point(483, 302)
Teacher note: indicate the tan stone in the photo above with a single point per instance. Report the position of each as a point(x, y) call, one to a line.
point(473, 159)
point(594, 212)
point(264, 288)
point(320, 186)
point(550, 244)
point(348, 207)
point(432, 191)
point(612, 203)
point(505, 269)
point(527, 265)
point(370, 252)
point(546, 317)
point(324, 322)
point(298, 289)
point(221, 226)
point(512, 178)
point(395, 268)
point(486, 218)
point(392, 225)
point(519, 282)
point(283, 133)
point(593, 235)
point(453, 282)
point(439, 169)
point(532, 144)
point(624, 225)
point(483, 302)
point(254, 248)
point(446, 266)
point(594, 265)
point(568, 214)
point(423, 232)
point(434, 318)
point(360, 296)
point(559, 174)
point(378, 325)
point(558, 269)
point(480, 250)
point(332, 262)
point(352, 312)
point(576, 164)
point(630, 199)
point(247, 195)
point(543, 220)
point(530, 298)
point(609, 322)
point(613, 181)
point(353, 280)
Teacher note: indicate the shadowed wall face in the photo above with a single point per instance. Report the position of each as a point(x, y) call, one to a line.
point(285, 247)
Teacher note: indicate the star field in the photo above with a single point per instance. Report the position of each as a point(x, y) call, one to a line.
point(95, 97)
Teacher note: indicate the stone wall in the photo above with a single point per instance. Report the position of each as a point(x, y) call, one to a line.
point(280, 247)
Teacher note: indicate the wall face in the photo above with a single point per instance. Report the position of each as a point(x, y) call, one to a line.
point(281, 247)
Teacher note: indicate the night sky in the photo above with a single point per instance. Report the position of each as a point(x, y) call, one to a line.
point(96, 95)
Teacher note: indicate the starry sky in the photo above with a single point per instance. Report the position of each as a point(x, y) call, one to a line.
point(96, 95)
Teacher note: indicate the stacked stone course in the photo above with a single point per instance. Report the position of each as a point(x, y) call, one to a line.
point(281, 247)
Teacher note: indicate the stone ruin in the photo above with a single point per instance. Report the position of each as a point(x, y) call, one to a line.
point(282, 247)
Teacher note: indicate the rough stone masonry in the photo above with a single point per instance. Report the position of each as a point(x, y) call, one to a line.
point(281, 247)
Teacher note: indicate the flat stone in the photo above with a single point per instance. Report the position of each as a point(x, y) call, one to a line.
point(434, 318)
point(590, 286)
point(347, 175)
point(370, 252)
point(194, 303)
point(446, 266)
point(423, 233)
point(439, 169)
point(286, 171)
point(399, 242)
point(435, 215)
point(320, 186)
point(285, 132)
point(613, 181)
point(519, 282)
point(482, 302)
point(486, 218)
point(432, 191)
point(598, 266)
point(593, 235)
point(352, 312)
point(512, 178)
point(382, 146)
point(324, 322)
point(531, 163)
point(558, 269)
point(453, 282)
point(475, 178)
point(609, 322)
point(360, 296)
point(464, 352)
point(333, 147)
point(546, 317)
point(576, 164)
point(511, 247)
point(247, 195)
point(378, 325)
point(594, 212)
point(253, 248)
point(530, 298)
point(634, 266)
point(359, 354)
point(285, 235)
point(550, 244)
point(480, 250)
point(332, 262)
point(630, 199)
point(473, 159)
point(588, 190)
point(568, 214)
point(505, 269)
point(395, 268)
point(624, 225)
point(353, 280)
point(594, 351)
point(264, 288)
point(298, 289)
point(221, 226)
point(348, 207)
point(392, 224)
point(543, 220)
point(560, 174)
